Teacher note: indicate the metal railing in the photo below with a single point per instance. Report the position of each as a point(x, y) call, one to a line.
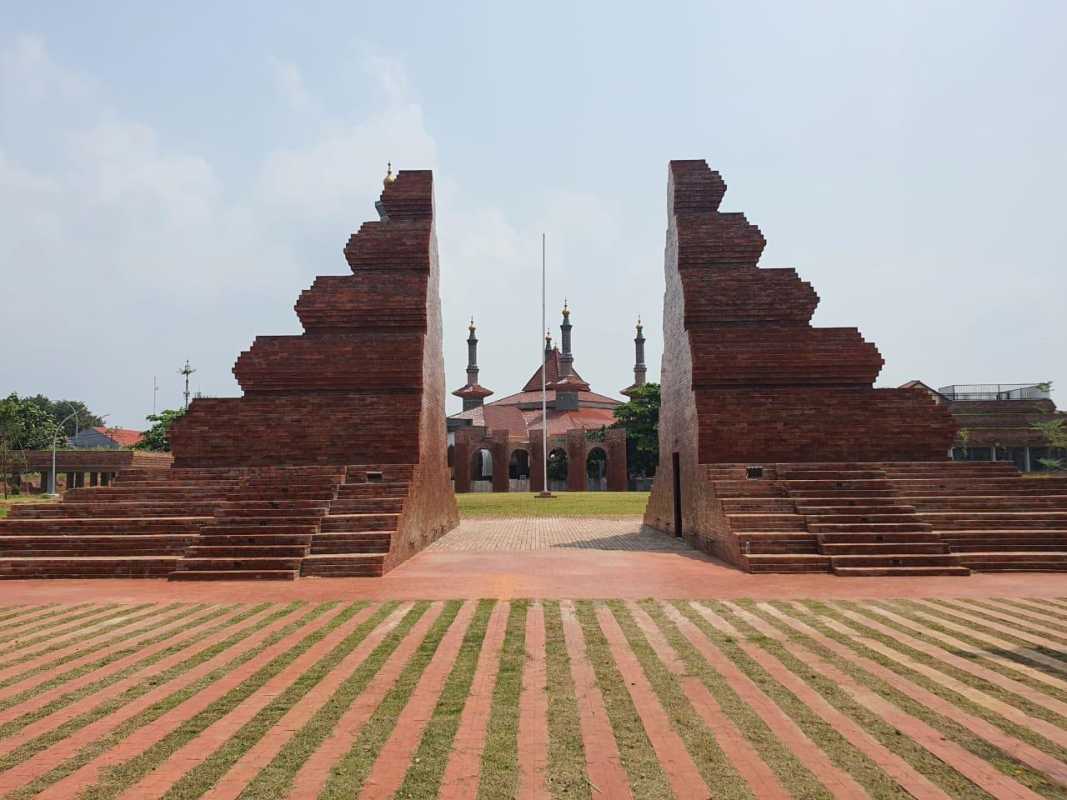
point(996, 391)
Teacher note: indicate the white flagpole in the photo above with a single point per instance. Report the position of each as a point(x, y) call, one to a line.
point(544, 366)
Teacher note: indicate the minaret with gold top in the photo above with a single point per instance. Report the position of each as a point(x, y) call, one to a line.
point(473, 394)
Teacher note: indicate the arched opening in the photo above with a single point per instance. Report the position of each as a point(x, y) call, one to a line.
point(519, 471)
point(557, 470)
point(481, 471)
point(596, 470)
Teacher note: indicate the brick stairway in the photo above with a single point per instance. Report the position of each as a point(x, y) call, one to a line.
point(263, 528)
point(265, 523)
point(138, 527)
point(356, 535)
point(938, 518)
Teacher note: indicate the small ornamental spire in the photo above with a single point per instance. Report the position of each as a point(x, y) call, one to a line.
point(566, 311)
point(640, 370)
point(473, 393)
point(471, 326)
point(548, 340)
point(389, 176)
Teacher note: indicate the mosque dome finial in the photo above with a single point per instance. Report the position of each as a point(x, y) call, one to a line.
point(389, 176)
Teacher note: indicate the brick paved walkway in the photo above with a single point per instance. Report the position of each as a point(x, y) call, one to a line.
point(533, 534)
point(928, 699)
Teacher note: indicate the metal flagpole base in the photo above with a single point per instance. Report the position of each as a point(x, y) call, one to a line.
point(545, 496)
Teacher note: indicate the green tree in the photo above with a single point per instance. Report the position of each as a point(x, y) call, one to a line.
point(640, 418)
point(158, 436)
point(76, 414)
point(1054, 431)
point(23, 426)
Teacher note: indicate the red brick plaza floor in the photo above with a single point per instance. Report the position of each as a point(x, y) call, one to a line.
point(467, 674)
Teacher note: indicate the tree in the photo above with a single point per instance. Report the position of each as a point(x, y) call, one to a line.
point(640, 418)
point(60, 410)
point(157, 437)
point(1054, 432)
point(23, 426)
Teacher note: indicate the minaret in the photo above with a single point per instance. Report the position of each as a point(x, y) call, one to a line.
point(473, 395)
point(566, 358)
point(640, 370)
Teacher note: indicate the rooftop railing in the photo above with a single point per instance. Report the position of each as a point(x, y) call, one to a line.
point(996, 391)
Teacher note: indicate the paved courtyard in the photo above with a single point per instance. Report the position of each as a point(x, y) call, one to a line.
point(535, 699)
point(532, 534)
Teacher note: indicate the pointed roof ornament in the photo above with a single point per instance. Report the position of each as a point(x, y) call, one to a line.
point(471, 326)
point(566, 311)
point(389, 176)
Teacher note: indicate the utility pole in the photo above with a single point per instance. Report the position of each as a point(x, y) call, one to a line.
point(155, 394)
point(186, 371)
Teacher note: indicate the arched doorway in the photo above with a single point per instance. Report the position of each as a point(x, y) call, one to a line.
point(557, 470)
point(481, 471)
point(596, 470)
point(519, 471)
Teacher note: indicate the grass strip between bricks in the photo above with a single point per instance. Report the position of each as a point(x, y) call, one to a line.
point(980, 684)
point(566, 776)
point(715, 768)
point(275, 779)
point(61, 618)
point(20, 722)
point(47, 612)
point(841, 752)
point(11, 612)
point(423, 778)
point(75, 723)
point(647, 778)
point(1023, 612)
point(199, 779)
point(949, 613)
point(111, 656)
point(89, 636)
point(116, 778)
point(800, 781)
point(348, 775)
point(990, 656)
point(85, 629)
point(500, 758)
point(1058, 640)
point(961, 701)
point(1002, 761)
point(921, 759)
point(171, 701)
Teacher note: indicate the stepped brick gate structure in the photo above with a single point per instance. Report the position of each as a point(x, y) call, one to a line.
point(332, 463)
point(777, 454)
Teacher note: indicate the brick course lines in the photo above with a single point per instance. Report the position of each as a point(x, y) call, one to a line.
point(735, 746)
point(1007, 711)
point(837, 781)
point(460, 778)
point(533, 534)
point(960, 646)
point(394, 758)
point(955, 755)
point(105, 693)
point(313, 775)
point(73, 656)
point(161, 726)
point(197, 750)
point(533, 711)
point(916, 784)
point(964, 664)
point(685, 779)
point(603, 762)
point(263, 752)
point(939, 615)
point(60, 751)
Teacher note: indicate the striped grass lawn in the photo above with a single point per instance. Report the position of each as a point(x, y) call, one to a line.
point(531, 699)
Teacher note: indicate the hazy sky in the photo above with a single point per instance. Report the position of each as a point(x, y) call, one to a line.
point(173, 175)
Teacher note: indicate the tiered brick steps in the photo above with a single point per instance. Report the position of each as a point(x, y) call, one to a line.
point(356, 535)
point(263, 528)
point(139, 527)
point(918, 518)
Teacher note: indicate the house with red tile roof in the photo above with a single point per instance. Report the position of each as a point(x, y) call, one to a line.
point(106, 438)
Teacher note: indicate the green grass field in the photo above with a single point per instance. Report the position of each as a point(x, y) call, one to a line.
point(564, 504)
